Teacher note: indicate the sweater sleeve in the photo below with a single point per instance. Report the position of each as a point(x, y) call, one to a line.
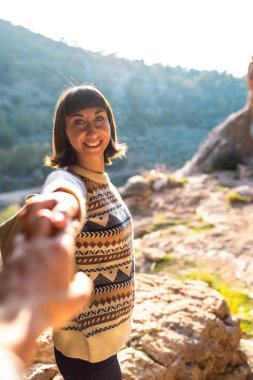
point(61, 180)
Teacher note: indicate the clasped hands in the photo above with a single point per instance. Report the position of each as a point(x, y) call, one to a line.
point(38, 285)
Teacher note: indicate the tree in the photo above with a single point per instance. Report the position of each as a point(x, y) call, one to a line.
point(230, 139)
point(6, 137)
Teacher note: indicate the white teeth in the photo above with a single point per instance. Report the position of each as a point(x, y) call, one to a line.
point(93, 144)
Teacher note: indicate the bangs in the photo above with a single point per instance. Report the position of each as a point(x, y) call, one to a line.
point(81, 98)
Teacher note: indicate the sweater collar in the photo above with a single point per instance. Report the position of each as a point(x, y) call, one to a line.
point(94, 176)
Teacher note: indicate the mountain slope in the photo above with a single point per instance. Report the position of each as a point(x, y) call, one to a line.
point(162, 112)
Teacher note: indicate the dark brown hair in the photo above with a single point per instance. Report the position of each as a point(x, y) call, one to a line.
point(73, 100)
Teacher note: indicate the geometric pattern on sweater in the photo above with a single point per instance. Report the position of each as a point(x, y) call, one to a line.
point(105, 328)
point(106, 279)
point(97, 331)
point(104, 318)
point(103, 258)
point(83, 243)
point(113, 231)
point(104, 252)
point(113, 287)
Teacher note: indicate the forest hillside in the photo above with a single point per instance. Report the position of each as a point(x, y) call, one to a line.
point(163, 113)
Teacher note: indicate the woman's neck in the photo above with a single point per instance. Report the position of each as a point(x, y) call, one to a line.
point(97, 167)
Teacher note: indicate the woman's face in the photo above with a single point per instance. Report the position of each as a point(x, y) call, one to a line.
point(89, 133)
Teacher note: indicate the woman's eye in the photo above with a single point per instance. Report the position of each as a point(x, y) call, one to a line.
point(78, 121)
point(99, 118)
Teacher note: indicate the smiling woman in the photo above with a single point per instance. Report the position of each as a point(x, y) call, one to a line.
point(89, 134)
point(83, 116)
point(84, 140)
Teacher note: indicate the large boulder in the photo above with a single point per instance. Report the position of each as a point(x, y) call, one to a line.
point(181, 331)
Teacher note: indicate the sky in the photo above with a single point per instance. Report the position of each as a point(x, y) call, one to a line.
point(199, 34)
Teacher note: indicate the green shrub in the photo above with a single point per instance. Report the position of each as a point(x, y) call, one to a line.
point(8, 212)
point(234, 197)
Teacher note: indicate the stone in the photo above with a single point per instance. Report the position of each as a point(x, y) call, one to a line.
point(40, 371)
point(58, 377)
point(214, 210)
point(44, 351)
point(245, 192)
point(136, 186)
point(136, 364)
point(181, 331)
point(137, 193)
point(247, 347)
point(160, 184)
point(153, 254)
point(142, 226)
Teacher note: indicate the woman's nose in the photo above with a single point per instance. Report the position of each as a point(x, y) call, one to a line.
point(92, 129)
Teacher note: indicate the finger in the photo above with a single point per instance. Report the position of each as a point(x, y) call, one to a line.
point(42, 200)
point(66, 203)
point(32, 206)
point(75, 300)
point(39, 224)
point(81, 286)
point(59, 220)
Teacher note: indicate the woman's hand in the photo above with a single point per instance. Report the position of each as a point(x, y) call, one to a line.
point(47, 214)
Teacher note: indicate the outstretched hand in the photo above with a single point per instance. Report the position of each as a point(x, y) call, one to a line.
point(38, 284)
point(47, 214)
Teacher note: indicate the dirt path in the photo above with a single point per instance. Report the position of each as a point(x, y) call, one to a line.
point(17, 196)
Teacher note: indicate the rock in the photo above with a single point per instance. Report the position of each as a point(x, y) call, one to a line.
point(182, 331)
point(44, 352)
point(147, 257)
point(165, 181)
point(229, 143)
point(214, 210)
point(153, 254)
point(247, 347)
point(142, 226)
point(137, 193)
point(160, 184)
point(243, 171)
point(136, 186)
point(41, 371)
point(58, 377)
point(245, 193)
point(136, 364)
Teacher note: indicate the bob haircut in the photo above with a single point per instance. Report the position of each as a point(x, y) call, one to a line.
point(73, 100)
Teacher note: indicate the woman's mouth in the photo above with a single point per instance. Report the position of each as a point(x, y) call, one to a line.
point(93, 144)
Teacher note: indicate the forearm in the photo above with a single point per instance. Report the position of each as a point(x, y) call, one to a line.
point(18, 332)
point(63, 181)
point(11, 366)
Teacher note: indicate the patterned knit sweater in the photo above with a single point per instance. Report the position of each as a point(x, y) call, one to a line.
point(104, 253)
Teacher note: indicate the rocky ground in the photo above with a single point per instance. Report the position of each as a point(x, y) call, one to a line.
point(195, 228)
point(181, 331)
